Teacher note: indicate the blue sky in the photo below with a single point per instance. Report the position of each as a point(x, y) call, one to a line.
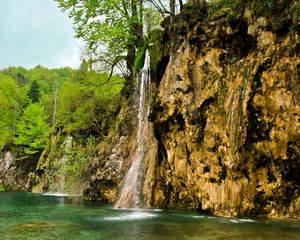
point(36, 32)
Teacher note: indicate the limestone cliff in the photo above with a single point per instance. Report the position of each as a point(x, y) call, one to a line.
point(224, 129)
point(15, 174)
point(228, 115)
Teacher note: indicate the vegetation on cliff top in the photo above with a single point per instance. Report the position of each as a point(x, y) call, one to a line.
point(36, 100)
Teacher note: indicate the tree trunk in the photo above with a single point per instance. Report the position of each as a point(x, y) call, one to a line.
point(54, 105)
point(202, 4)
point(130, 61)
point(136, 30)
point(172, 7)
point(181, 5)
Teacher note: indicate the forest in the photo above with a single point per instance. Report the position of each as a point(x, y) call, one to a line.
point(37, 101)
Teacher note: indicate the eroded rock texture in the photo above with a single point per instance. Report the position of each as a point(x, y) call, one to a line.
point(228, 118)
point(15, 174)
point(224, 130)
point(114, 156)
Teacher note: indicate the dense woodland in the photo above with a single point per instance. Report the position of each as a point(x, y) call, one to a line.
point(36, 102)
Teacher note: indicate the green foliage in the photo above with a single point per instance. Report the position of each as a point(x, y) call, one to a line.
point(108, 26)
point(113, 30)
point(152, 20)
point(217, 6)
point(10, 101)
point(269, 8)
point(10, 90)
point(78, 157)
point(48, 80)
point(271, 4)
point(2, 188)
point(140, 58)
point(32, 130)
point(153, 45)
point(34, 92)
point(72, 164)
point(155, 53)
point(4, 135)
point(80, 102)
point(90, 104)
point(192, 10)
point(295, 10)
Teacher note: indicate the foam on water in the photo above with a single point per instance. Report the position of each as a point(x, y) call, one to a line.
point(157, 210)
point(246, 220)
point(241, 220)
point(132, 216)
point(199, 217)
point(59, 194)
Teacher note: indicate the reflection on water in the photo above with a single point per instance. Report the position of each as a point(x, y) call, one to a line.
point(33, 216)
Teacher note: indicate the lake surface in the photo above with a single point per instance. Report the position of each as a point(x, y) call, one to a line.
point(36, 216)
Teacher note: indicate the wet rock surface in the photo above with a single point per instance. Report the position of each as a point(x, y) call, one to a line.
point(224, 125)
point(228, 119)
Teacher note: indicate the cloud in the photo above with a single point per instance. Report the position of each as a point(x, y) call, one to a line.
point(35, 32)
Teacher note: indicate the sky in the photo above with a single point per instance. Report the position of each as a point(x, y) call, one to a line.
point(36, 32)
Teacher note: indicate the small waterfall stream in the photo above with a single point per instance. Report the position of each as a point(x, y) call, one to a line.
point(67, 147)
point(130, 193)
point(57, 187)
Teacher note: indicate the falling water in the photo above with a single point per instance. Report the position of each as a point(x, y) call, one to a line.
point(130, 194)
point(67, 147)
point(57, 187)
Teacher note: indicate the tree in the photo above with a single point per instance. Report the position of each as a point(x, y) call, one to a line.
point(32, 131)
point(4, 129)
point(113, 29)
point(90, 104)
point(10, 101)
point(167, 7)
point(34, 92)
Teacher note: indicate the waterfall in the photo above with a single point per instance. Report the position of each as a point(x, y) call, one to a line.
point(67, 144)
point(59, 179)
point(130, 193)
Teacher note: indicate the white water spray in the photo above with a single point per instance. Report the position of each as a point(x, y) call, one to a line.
point(130, 194)
point(57, 187)
point(67, 147)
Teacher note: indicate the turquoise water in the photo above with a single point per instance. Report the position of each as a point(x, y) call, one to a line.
point(35, 216)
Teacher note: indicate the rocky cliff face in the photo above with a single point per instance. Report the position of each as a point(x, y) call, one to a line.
point(228, 117)
point(14, 174)
point(114, 156)
point(224, 130)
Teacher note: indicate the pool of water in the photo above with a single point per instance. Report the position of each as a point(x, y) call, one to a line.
point(36, 216)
